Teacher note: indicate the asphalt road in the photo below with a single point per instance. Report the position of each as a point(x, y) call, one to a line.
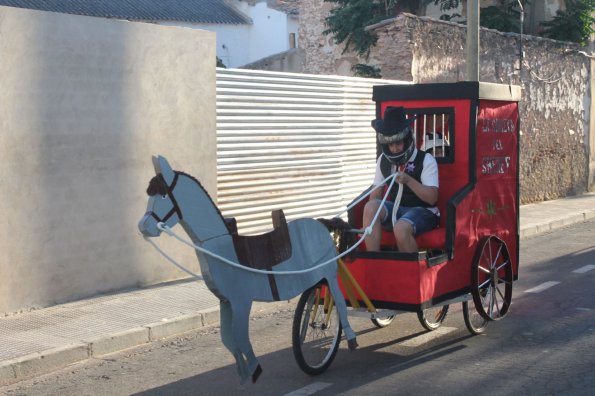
point(544, 346)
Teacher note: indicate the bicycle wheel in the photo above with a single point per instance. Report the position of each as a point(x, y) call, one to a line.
point(432, 317)
point(490, 273)
point(383, 322)
point(476, 324)
point(316, 330)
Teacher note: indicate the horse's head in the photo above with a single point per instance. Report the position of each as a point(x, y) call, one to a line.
point(162, 206)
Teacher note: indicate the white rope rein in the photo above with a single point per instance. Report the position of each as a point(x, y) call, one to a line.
point(396, 205)
point(364, 196)
point(367, 231)
point(171, 260)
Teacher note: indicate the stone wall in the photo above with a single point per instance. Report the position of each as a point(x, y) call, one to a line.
point(555, 77)
point(320, 55)
point(85, 103)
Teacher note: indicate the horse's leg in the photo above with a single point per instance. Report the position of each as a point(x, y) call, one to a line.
point(342, 309)
point(240, 320)
point(227, 336)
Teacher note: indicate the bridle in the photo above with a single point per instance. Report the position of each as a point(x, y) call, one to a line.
point(170, 192)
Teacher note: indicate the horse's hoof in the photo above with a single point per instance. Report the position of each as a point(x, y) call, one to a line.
point(256, 373)
point(352, 344)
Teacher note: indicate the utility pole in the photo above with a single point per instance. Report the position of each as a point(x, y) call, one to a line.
point(473, 40)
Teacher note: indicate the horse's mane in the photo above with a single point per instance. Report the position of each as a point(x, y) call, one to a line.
point(157, 186)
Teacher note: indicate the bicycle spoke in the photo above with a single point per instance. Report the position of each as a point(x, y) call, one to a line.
point(305, 321)
point(504, 264)
point(503, 280)
point(490, 249)
point(500, 293)
point(496, 301)
point(487, 281)
point(498, 254)
point(487, 271)
point(491, 306)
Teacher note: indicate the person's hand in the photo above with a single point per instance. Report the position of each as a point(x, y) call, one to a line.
point(403, 178)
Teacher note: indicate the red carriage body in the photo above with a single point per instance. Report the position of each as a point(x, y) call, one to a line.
point(478, 193)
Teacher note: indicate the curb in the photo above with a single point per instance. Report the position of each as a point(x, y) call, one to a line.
point(551, 225)
point(35, 364)
point(39, 363)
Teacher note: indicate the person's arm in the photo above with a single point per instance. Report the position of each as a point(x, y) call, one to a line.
point(428, 194)
point(378, 179)
point(427, 190)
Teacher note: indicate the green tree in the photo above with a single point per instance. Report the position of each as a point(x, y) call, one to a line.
point(347, 21)
point(505, 16)
point(447, 5)
point(363, 70)
point(574, 24)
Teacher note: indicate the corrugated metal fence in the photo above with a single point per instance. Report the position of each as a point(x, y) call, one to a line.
point(301, 143)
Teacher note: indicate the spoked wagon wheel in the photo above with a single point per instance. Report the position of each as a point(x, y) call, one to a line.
point(476, 324)
point(316, 330)
point(383, 322)
point(491, 278)
point(432, 317)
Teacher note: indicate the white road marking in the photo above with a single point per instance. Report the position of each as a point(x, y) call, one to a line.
point(542, 287)
point(584, 269)
point(310, 389)
point(426, 337)
point(583, 309)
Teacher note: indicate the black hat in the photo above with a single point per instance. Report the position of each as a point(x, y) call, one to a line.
point(393, 127)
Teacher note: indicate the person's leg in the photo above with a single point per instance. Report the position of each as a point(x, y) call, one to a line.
point(412, 222)
point(373, 240)
point(404, 234)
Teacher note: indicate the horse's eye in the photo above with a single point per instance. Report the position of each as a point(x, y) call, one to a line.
point(164, 196)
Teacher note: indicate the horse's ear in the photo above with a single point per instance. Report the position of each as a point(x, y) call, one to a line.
point(162, 166)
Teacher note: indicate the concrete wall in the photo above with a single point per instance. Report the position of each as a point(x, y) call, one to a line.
point(233, 41)
point(85, 103)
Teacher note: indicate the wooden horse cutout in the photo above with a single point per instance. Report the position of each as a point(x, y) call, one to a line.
point(175, 197)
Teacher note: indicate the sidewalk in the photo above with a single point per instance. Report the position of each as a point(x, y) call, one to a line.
point(45, 340)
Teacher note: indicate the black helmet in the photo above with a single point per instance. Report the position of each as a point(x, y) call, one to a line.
point(394, 128)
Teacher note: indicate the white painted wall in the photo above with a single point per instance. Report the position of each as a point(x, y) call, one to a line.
point(85, 103)
point(238, 45)
point(270, 32)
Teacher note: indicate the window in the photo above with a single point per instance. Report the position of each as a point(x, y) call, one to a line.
point(434, 132)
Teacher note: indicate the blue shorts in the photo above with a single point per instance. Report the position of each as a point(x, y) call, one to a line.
point(420, 218)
